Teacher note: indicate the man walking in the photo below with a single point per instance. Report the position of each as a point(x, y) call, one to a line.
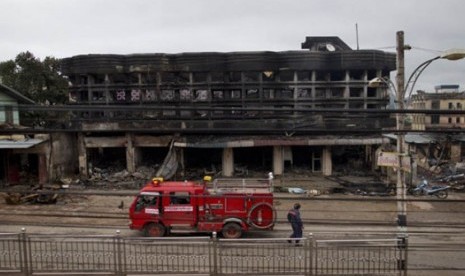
point(293, 216)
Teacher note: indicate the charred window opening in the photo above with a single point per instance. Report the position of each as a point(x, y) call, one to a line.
point(320, 93)
point(199, 77)
point(357, 75)
point(168, 77)
point(97, 79)
point(185, 95)
point(233, 77)
point(83, 95)
point(304, 93)
point(338, 75)
point(201, 95)
point(371, 74)
point(337, 92)
point(268, 93)
point(286, 75)
point(252, 93)
point(235, 94)
point(356, 92)
point(106, 160)
point(268, 76)
point(119, 79)
point(304, 75)
point(217, 76)
point(372, 92)
point(251, 76)
point(134, 78)
point(218, 95)
point(322, 76)
point(285, 94)
point(98, 96)
point(167, 95)
point(356, 105)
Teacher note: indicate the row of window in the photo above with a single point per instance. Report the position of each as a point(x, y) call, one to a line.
point(223, 77)
point(203, 95)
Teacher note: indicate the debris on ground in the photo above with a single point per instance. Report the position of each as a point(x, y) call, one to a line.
point(41, 194)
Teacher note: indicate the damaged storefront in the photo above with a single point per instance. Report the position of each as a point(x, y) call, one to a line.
point(23, 160)
point(141, 157)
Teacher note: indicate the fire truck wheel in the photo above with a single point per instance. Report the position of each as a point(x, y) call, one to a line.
point(231, 230)
point(154, 230)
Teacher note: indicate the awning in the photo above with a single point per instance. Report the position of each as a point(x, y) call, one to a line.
point(19, 144)
point(244, 141)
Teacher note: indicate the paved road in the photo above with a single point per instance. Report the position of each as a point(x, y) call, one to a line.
point(435, 228)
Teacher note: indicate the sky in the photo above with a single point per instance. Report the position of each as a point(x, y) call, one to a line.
point(65, 28)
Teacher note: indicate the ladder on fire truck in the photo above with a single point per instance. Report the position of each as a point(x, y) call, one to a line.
point(243, 185)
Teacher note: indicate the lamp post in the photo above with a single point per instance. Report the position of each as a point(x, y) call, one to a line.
point(400, 89)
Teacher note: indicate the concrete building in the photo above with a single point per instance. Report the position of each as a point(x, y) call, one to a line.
point(445, 97)
point(229, 112)
point(432, 149)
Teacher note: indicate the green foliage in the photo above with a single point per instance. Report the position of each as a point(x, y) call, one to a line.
point(38, 80)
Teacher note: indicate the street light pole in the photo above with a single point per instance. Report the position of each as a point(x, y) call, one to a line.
point(399, 89)
point(400, 81)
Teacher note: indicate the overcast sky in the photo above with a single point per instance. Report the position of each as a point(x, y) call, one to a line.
point(64, 28)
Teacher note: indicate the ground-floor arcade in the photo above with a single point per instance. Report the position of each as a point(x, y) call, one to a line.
point(228, 156)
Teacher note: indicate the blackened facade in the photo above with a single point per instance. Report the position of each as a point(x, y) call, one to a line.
point(243, 91)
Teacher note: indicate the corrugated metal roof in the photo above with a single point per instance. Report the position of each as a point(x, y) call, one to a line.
point(19, 144)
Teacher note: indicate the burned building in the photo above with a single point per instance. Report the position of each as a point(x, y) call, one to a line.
point(228, 112)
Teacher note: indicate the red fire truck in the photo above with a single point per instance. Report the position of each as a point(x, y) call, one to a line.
point(226, 206)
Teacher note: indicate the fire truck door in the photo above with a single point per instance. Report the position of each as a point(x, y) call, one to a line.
point(179, 211)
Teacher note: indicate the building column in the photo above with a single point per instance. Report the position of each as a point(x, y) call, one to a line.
point(278, 160)
point(43, 174)
point(82, 153)
point(130, 154)
point(326, 164)
point(455, 152)
point(228, 162)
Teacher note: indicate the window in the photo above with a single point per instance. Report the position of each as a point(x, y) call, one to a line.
point(457, 120)
point(200, 77)
point(233, 76)
point(217, 76)
point(251, 76)
point(167, 95)
point(303, 93)
point(268, 76)
point(304, 75)
point(146, 201)
point(451, 106)
point(252, 94)
point(185, 95)
point(286, 76)
point(181, 198)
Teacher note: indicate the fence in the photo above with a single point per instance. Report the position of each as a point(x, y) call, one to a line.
point(25, 254)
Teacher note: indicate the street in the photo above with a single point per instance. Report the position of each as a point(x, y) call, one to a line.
point(435, 228)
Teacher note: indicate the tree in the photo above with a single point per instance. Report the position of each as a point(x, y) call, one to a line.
point(38, 80)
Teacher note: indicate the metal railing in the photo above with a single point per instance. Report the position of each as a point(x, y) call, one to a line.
point(28, 254)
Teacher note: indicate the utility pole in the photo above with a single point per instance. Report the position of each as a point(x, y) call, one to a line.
point(400, 184)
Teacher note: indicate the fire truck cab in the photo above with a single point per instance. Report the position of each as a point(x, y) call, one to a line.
point(227, 206)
